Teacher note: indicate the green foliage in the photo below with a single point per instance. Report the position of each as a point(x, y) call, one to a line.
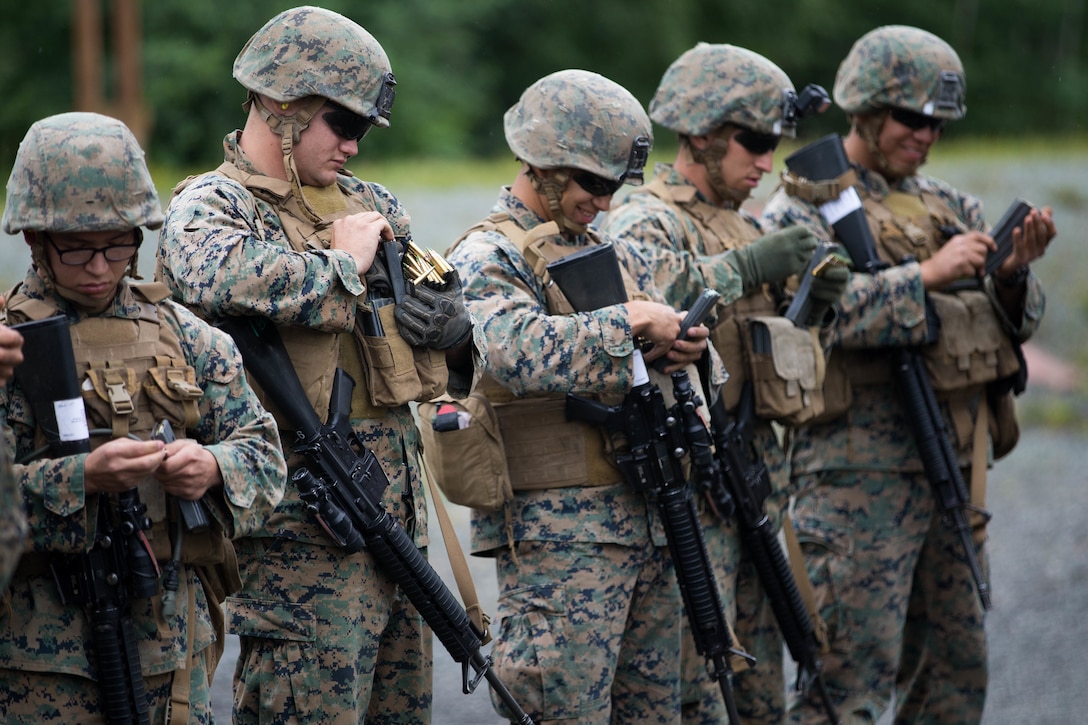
point(461, 63)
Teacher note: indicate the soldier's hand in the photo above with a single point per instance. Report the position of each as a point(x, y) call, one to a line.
point(827, 287)
point(774, 257)
point(120, 464)
point(659, 325)
point(434, 318)
point(686, 352)
point(359, 235)
point(961, 257)
point(187, 470)
point(11, 350)
point(1029, 241)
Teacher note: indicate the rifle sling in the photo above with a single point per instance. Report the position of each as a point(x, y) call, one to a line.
point(979, 453)
point(804, 584)
point(461, 574)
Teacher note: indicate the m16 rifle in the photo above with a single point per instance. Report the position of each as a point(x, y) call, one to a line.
point(823, 160)
point(120, 566)
point(657, 439)
point(343, 485)
point(744, 486)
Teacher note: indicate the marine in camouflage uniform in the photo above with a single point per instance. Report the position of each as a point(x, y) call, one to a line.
point(282, 231)
point(729, 107)
point(588, 604)
point(12, 516)
point(79, 186)
point(890, 576)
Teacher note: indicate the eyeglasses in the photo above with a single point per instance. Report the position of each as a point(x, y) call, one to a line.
point(83, 255)
point(757, 143)
point(346, 124)
point(596, 185)
point(916, 121)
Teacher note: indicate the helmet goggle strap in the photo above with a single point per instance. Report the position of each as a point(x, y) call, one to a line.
point(711, 159)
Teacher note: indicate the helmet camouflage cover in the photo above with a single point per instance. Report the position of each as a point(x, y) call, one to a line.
point(902, 67)
point(711, 85)
point(310, 51)
point(579, 119)
point(80, 172)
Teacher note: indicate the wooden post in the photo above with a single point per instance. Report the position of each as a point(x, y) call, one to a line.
point(87, 55)
point(127, 55)
point(88, 41)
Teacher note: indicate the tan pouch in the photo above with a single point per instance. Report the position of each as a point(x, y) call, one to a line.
point(111, 398)
point(468, 464)
point(430, 366)
point(173, 394)
point(398, 373)
point(787, 369)
point(392, 378)
point(972, 348)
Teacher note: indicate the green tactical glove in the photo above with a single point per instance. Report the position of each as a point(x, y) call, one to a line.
point(434, 317)
point(827, 287)
point(774, 257)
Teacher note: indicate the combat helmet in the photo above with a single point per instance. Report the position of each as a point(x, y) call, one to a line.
point(80, 172)
point(313, 56)
point(712, 85)
point(309, 51)
point(897, 66)
point(579, 119)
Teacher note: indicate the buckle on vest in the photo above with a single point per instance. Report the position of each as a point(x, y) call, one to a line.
point(175, 381)
point(120, 400)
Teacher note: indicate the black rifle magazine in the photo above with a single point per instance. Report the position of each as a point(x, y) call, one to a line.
point(1002, 233)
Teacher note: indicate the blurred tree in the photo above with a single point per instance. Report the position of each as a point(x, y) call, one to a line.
point(461, 63)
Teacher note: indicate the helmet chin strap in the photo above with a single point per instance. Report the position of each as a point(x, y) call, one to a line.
point(290, 127)
point(711, 159)
point(552, 187)
point(868, 127)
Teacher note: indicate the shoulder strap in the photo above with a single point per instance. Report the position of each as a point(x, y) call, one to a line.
point(153, 292)
point(804, 584)
point(458, 564)
point(20, 308)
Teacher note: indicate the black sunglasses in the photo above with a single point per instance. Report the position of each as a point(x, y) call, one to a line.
point(916, 121)
point(596, 185)
point(346, 124)
point(757, 143)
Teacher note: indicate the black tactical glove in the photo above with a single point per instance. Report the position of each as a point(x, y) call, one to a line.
point(827, 287)
point(377, 279)
point(774, 257)
point(434, 318)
